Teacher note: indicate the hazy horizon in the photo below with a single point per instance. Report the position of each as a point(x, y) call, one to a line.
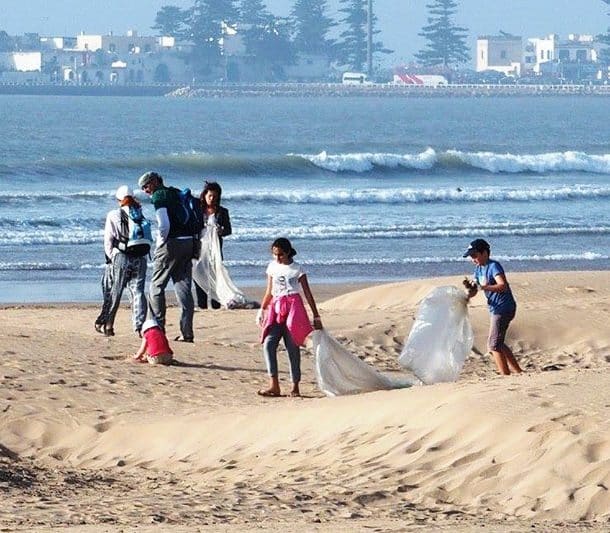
point(399, 25)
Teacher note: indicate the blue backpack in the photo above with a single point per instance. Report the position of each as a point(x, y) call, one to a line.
point(136, 233)
point(191, 214)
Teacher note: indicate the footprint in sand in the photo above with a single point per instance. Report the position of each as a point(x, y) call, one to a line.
point(575, 289)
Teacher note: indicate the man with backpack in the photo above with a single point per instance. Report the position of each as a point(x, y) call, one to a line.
point(178, 234)
point(127, 242)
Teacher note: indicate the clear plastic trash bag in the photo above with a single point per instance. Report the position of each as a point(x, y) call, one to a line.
point(441, 337)
point(338, 372)
point(212, 276)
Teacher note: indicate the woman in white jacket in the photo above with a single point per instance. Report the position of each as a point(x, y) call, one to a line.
point(128, 270)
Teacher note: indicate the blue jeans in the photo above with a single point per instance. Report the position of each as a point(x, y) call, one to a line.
point(128, 272)
point(270, 345)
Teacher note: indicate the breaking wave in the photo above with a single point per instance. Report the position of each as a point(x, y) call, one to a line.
point(429, 160)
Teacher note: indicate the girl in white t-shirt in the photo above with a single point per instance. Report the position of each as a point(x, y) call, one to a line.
point(283, 315)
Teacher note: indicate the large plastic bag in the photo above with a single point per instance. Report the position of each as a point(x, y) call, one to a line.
point(441, 337)
point(213, 277)
point(339, 372)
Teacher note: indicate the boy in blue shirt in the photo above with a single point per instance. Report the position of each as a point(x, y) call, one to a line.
point(490, 277)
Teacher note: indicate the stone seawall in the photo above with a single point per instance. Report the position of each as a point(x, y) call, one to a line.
point(335, 89)
point(306, 90)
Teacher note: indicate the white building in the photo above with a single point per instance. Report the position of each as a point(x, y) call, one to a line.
point(502, 53)
point(123, 45)
point(116, 59)
point(21, 61)
point(542, 53)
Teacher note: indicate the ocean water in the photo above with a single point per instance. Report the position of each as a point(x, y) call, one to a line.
point(367, 189)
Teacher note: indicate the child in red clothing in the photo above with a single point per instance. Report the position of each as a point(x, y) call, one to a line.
point(155, 346)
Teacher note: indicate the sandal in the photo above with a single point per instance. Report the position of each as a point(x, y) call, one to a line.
point(99, 328)
point(269, 393)
point(180, 338)
point(109, 332)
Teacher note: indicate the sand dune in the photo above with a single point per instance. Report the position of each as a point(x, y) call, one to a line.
point(93, 442)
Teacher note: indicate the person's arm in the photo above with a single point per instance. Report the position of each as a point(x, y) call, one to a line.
point(317, 321)
point(162, 225)
point(268, 296)
point(225, 223)
point(260, 315)
point(110, 235)
point(142, 350)
point(500, 286)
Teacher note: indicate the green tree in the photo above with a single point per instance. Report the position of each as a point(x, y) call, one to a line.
point(604, 38)
point(266, 37)
point(311, 27)
point(7, 44)
point(172, 21)
point(446, 41)
point(352, 48)
point(205, 28)
point(254, 18)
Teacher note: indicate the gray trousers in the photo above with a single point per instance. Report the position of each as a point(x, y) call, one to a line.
point(270, 345)
point(128, 272)
point(173, 261)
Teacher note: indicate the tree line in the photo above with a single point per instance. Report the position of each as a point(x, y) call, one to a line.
point(307, 30)
point(270, 38)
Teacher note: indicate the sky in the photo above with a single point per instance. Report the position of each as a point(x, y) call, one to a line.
point(399, 20)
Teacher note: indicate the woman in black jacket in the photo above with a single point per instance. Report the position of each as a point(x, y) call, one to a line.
point(213, 214)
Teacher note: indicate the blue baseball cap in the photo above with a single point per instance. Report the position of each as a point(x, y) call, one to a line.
point(477, 246)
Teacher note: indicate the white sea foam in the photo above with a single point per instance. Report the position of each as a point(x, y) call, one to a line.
point(364, 162)
point(415, 196)
point(415, 231)
point(371, 261)
point(6, 266)
point(569, 161)
point(52, 237)
point(330, 231)
point(540, 163)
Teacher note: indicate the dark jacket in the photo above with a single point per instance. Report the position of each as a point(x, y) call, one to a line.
point(223, 220)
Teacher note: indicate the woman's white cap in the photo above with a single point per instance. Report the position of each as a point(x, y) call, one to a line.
point(150, 323)
point(123, 191)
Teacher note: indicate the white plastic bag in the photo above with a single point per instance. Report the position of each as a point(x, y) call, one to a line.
point(441, 337)
point(213, 277)
point(339, 372)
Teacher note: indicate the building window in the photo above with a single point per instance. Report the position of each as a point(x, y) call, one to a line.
point(548, 54)
point(503, 54)
point(112, 48)
point(581, 55)
point(564, 55)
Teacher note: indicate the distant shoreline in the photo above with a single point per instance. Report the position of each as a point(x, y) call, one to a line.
point(218, 90)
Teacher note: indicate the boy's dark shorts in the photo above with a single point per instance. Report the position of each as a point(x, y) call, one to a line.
point(497, 330)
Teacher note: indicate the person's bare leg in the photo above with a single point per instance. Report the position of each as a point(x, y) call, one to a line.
point(295, 390)
point(274, 387)
point(510, 359)
point(501, 363)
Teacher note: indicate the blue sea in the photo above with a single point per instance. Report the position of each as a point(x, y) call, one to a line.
point(368, 189)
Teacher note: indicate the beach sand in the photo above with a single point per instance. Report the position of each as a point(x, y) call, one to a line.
point(91, 442)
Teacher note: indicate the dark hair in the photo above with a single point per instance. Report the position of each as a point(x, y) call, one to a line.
point(210, 186)
point(130, 201)
point(284, 244)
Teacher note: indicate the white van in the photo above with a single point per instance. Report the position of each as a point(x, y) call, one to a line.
point(355, 78)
